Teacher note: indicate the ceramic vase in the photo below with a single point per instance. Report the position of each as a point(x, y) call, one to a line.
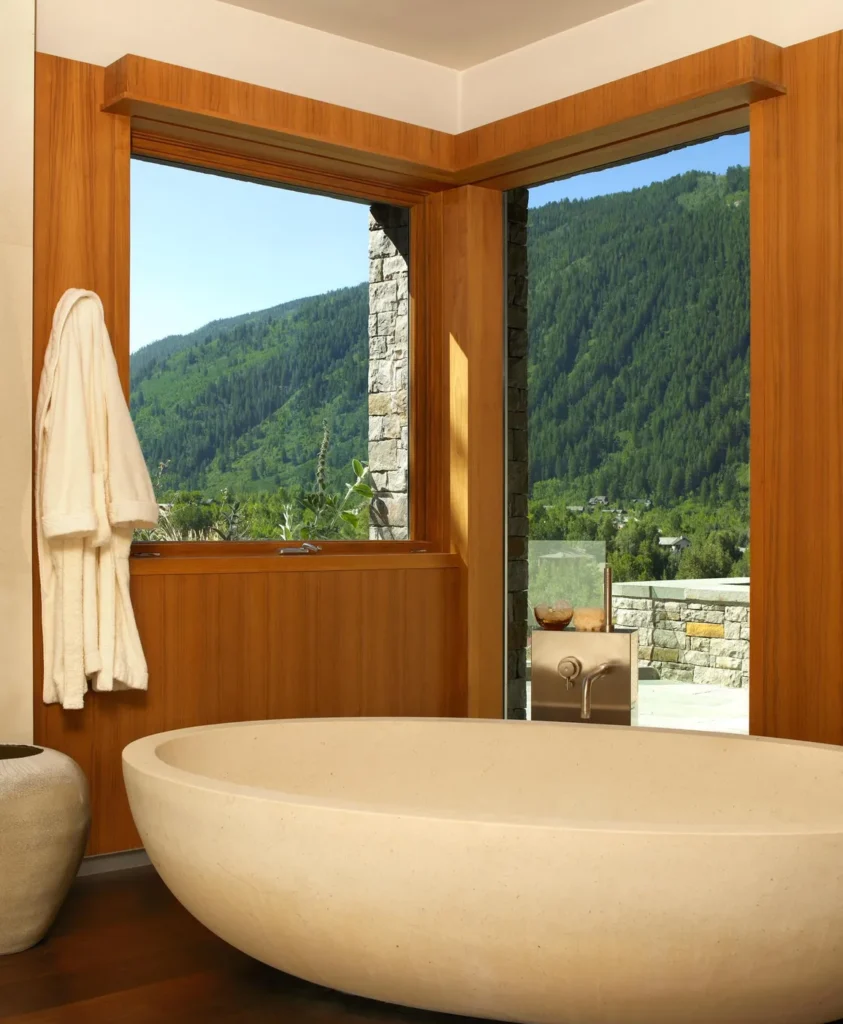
point(44, 820)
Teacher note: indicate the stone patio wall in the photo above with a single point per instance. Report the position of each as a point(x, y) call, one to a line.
point(689, 637)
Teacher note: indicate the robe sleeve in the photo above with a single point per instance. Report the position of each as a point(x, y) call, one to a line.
point(67, 500)
point(131, 498)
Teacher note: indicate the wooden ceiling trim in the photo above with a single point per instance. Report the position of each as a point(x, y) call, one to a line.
point(700, 86)
point(302, 139)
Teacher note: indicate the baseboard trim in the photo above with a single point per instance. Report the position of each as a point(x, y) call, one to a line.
point(107, 862)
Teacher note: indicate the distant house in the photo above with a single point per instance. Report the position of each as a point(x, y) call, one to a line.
point(676, 544)
point(601, 499)
point(575, 508)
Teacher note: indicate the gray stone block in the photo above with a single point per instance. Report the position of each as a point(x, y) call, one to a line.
point(383, 455)
point(516, 318)
point(519, 527)
point(728, 648)
point(397, 481)
point(383, 297)
point(667, 638)
point(518, 505)
point(518, 445)
point(517, 373)
point(696, 658)
point(737, 613)
point(710, 614)
point(630, 617)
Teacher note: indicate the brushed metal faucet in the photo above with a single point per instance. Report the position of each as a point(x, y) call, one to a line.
point(588, 682)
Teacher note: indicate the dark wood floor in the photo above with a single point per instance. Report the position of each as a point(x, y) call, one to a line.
point(123, 951)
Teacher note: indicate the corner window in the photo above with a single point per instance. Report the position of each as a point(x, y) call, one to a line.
point(270, 337)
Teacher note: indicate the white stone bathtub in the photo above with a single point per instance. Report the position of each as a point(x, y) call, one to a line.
point(575, 874)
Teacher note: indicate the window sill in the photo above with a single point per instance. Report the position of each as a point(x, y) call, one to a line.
point(210, 563)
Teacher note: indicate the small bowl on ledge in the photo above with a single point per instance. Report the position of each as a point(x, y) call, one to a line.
point(589, 620)
point(554, 616)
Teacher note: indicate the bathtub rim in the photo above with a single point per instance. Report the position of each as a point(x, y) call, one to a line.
point(141, 755)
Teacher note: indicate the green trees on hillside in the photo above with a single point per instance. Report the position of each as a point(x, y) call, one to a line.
point(242, 407)
point(639, 341)
point(638, 389)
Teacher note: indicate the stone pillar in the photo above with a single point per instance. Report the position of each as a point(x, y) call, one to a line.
point(517, 461)
point(389, 332)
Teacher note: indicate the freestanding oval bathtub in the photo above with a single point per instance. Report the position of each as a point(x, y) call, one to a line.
point(528, 871)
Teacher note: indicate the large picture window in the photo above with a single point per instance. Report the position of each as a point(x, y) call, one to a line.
point(269, 359)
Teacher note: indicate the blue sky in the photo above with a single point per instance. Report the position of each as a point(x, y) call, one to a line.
point(715, 156)
point(205, 247)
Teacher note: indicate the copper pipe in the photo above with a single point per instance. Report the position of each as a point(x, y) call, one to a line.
point(607, 599)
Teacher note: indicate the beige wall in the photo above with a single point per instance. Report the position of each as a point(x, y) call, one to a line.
point(17, 48)
point(643, 36)
point(226, 40)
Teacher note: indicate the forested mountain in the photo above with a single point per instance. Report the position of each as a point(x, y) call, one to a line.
point(639, 341)
point(240, 403)
point(638, 367)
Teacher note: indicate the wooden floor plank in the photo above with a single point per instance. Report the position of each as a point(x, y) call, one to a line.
point(124, 951)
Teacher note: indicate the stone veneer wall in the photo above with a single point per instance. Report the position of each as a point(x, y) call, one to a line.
point(691, 637)
point(389, 337)
point(517, 462)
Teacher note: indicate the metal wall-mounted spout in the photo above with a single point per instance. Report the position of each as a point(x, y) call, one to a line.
point(588, 682)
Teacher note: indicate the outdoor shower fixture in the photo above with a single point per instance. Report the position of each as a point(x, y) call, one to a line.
point(584, 677)
point(588, 673)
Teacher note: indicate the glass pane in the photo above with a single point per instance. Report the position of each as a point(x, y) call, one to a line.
point(269, 359)
point(628, 411)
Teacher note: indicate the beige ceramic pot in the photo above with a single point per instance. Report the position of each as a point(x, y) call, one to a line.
point(44, 819)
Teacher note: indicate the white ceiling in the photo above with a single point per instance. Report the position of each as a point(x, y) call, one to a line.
point(454, 33)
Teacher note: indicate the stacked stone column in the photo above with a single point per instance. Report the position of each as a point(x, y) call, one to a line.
point(517, 452)
point(389, 333)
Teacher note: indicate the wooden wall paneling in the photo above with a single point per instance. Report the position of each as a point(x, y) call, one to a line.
point(292, 607)
point(435, 635)
point(81, 199)
point(337, 662)
point(239, 647)
point(471, 268)
point(797, 399)
point(429, 419)
point(384, 679)
point(114, 723)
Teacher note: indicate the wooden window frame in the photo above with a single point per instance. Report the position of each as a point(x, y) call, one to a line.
point(244, 167)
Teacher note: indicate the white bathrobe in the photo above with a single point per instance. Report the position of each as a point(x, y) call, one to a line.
point(92, 489)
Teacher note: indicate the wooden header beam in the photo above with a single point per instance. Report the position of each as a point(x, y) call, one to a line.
point(679, 102)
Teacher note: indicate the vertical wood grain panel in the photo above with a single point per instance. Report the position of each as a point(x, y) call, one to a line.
point(241, 646)
point(81, 199)
point(292, 601)
point(81, 238)
point(470, 264)
point(796, 198)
